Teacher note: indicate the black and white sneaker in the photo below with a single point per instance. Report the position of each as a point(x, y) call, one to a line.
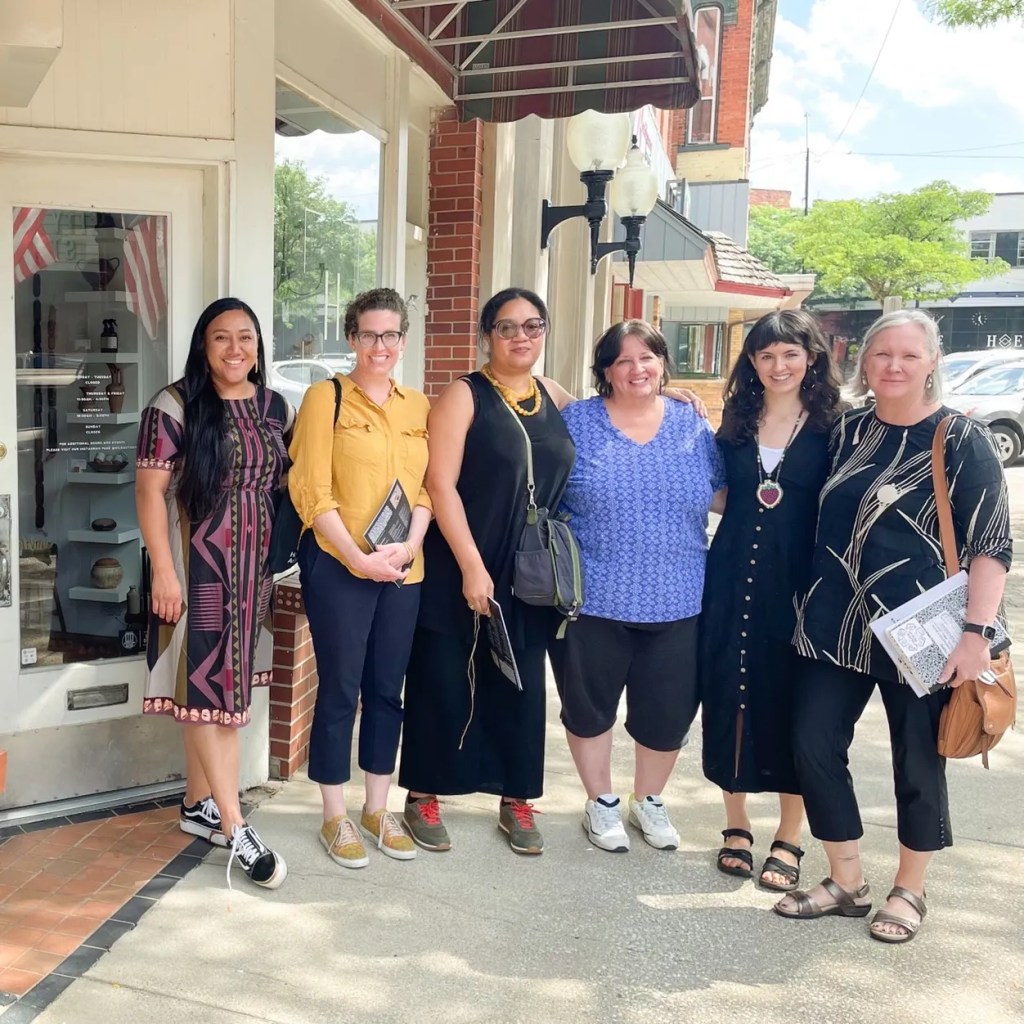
point(202, 819)
point(263, 866)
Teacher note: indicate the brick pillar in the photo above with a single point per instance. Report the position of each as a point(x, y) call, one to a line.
point(455, 188)
point(293, 687)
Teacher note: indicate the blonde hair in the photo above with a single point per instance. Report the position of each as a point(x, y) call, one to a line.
point(858, 387)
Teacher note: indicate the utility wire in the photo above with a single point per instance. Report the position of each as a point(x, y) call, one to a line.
point(878, 57)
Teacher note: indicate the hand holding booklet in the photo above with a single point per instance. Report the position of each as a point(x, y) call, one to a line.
point(501, 644)
point(920, 635)
point(391, 523)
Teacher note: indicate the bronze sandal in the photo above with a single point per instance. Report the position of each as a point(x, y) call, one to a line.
point(885, 917)
point(807, 908)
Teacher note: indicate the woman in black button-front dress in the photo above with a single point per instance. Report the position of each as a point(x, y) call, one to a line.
point(781, 399)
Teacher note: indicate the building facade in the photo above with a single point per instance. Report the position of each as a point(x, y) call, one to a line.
point(137, 170)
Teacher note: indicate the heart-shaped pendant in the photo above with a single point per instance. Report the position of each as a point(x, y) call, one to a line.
point(769, 493)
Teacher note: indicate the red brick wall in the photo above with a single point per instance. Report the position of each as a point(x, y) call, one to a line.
point(733, 115)
point(779, 197)
point(294, 683)
point(455, 186)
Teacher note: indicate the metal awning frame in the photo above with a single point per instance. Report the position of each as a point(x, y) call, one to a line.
point(459, 65)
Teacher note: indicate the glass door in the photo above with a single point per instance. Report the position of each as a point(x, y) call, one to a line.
point(104, 269)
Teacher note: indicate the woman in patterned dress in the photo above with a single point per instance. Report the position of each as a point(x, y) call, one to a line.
point(877, 547)
point(211, 454)
point(638, 496)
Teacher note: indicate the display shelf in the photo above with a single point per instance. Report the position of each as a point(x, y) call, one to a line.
point(102, 297)
point(116, 595)
point(126, 476)
point(110, 357)
point(103, 536)
point(103, 417)
point(45, 376)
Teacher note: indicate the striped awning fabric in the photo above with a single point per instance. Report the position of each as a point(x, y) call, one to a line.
point(555, 58)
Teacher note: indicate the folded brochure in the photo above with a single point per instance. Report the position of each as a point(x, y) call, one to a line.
point(500, 644)
point(920, 635)
point(391, 523)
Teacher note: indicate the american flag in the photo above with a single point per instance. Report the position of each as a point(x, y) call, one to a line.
point(33, 249)
point(145, 274)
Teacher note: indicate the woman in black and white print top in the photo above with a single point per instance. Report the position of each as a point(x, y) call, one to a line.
point(877, 547)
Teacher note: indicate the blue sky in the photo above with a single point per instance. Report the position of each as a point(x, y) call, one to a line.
point(933, 89)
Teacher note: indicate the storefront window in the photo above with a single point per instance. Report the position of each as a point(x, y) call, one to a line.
point(698, 350)
point(327, 184)
point(90, 303)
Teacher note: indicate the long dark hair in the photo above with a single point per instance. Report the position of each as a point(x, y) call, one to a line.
point(205, 454)
point(609, 347)
point(819, 390)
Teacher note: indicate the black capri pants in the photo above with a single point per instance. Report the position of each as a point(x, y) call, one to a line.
point(654, 662)
point(828, 703)
point(362, 634)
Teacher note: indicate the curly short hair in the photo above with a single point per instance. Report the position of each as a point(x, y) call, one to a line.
point(367, 302)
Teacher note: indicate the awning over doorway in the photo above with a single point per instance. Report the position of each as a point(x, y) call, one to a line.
point(555, 58)
point(689, 267)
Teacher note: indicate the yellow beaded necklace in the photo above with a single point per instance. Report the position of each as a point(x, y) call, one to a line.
point(510, 397)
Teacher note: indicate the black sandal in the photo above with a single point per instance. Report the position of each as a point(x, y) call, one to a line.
point(780, 867)
point(728, 853)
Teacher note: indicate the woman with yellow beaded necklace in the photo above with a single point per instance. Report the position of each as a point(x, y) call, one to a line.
point(484, 736)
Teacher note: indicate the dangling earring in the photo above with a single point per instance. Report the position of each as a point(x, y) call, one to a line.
point(805, 384)
point(928, 384)
point(864, 379)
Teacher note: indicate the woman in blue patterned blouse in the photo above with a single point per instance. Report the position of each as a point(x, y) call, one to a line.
point(638, 497)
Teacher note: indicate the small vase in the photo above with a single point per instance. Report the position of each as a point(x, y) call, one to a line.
point(115, 389)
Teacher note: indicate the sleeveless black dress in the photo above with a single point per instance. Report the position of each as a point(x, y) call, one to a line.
point(758, 570)
point(502, 751)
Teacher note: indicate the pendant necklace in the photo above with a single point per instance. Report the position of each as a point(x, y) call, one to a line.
point(769, 490)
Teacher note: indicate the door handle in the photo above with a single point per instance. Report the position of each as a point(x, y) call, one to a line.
point(3, 451)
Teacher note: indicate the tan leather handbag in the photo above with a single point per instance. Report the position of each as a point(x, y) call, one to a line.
point(977, 714)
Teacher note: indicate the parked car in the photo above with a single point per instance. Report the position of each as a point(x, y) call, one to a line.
point(960, 367)
point(292, 377)
point(996, 398)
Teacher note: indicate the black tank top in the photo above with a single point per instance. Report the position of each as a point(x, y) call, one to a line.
point(492, 485)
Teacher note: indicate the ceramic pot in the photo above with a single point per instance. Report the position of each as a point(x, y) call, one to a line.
point(107, 573)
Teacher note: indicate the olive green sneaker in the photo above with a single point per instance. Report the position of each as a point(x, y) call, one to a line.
point(387, 834)
point(515, 819)
point(422, 820)
point(339, 838)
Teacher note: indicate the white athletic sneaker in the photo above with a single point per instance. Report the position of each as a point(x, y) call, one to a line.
point(649, 815)
point(602, 821)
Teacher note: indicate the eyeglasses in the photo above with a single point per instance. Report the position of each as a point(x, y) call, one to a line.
point(508, 329)
point(369, 338)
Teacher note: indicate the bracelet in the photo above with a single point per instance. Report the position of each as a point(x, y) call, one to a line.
point(409, 550)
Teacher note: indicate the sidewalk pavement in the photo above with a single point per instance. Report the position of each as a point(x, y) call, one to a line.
point(579, 935)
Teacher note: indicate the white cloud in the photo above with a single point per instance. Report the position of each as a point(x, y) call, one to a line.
point(822, 69)
point(778, 162)
point(349, 162)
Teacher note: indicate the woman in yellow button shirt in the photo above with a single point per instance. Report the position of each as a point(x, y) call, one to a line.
point(361, 603)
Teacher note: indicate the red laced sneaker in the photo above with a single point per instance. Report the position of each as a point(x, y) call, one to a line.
point(516, 820)
point(422, 820)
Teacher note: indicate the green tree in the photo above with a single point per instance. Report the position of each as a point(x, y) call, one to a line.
point(315, 235)
point(771, 237)
point(906, 244)
point(956, 13)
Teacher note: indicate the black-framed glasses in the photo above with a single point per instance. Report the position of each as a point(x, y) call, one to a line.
point(508, 329)
point(367, 339)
